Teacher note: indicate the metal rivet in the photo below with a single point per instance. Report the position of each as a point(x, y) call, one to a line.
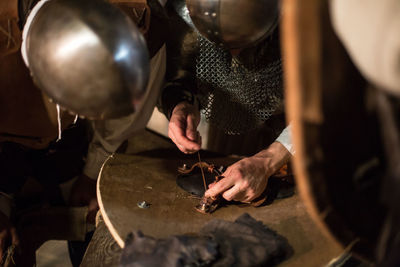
point(214, 14)
point(208, 31)
point(143, 204)
point(216, 33)
point(206, 13)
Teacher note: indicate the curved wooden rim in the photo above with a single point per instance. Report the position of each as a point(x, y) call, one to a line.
point(297, 113)
point(106, 219)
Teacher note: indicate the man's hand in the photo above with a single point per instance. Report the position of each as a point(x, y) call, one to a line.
point(83, 193)
point(182, 127)
point(247, 179)
point(8, 235)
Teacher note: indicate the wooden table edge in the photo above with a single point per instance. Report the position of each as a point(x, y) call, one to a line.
point(106, 219)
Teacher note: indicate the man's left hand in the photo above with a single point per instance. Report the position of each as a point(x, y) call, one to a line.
point(83, 193)
point(247, 179)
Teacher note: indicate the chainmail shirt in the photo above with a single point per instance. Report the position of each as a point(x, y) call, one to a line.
point(236, 96)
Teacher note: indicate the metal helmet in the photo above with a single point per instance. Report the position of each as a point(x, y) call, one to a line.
point(87, 56)
point(234, 23)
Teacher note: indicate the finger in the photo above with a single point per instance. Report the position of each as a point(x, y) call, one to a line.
point(231, 193)
point(178, 136)
point(178, 145)
point(187, 145)
point(173, 138)
point(93, 205)
point(211, 185)
point(252, 197)
point(247, 199)
point(191, 129)
point(177, 127)
point(221, 186)
point(239, 196)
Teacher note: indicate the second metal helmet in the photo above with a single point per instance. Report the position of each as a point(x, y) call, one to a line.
point(234, 23)
point(87, 56)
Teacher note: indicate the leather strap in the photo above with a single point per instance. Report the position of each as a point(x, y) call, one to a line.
point(10, 34)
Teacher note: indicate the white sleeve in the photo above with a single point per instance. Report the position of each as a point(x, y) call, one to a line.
point(285, 138)
point(110, 134)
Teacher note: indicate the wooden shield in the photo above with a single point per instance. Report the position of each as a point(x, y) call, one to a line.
point(338, 160)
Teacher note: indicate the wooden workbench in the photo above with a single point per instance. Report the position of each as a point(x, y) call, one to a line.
point(148, 171)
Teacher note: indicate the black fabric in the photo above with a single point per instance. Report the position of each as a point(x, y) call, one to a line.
point(58, 163)
point(245, 242)
point(193, 181)
point(24, 7)
point(182, 250)
point(278, 188)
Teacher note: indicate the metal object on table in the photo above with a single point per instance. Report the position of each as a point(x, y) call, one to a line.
point(186, 182)
point(87, 56)
point(202, 172)
point(234, 24)
point(207, 204)
point(143, 204)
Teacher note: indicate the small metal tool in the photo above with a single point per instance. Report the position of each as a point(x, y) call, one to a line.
point(202, 172)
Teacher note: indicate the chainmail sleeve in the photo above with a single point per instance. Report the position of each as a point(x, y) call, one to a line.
point(240, 93)
point(182, 50)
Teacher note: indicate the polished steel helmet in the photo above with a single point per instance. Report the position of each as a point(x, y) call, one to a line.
point(87, 56)
point(234, 23)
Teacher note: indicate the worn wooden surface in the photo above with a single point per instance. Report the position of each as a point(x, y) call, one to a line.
point(102, 251)
point(148, 173)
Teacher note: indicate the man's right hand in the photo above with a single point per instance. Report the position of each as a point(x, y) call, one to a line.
point(8, 235)
point(182, 127)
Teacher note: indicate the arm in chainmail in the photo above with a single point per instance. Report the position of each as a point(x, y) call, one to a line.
point(181, 63)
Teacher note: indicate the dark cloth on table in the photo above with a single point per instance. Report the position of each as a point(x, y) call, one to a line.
point(245, 242)
point(181, 250)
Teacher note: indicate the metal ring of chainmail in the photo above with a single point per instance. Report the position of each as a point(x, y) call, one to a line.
point(234, 96)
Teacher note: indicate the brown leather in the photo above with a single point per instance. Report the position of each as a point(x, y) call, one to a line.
point(10, 37)
point(26, 116)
